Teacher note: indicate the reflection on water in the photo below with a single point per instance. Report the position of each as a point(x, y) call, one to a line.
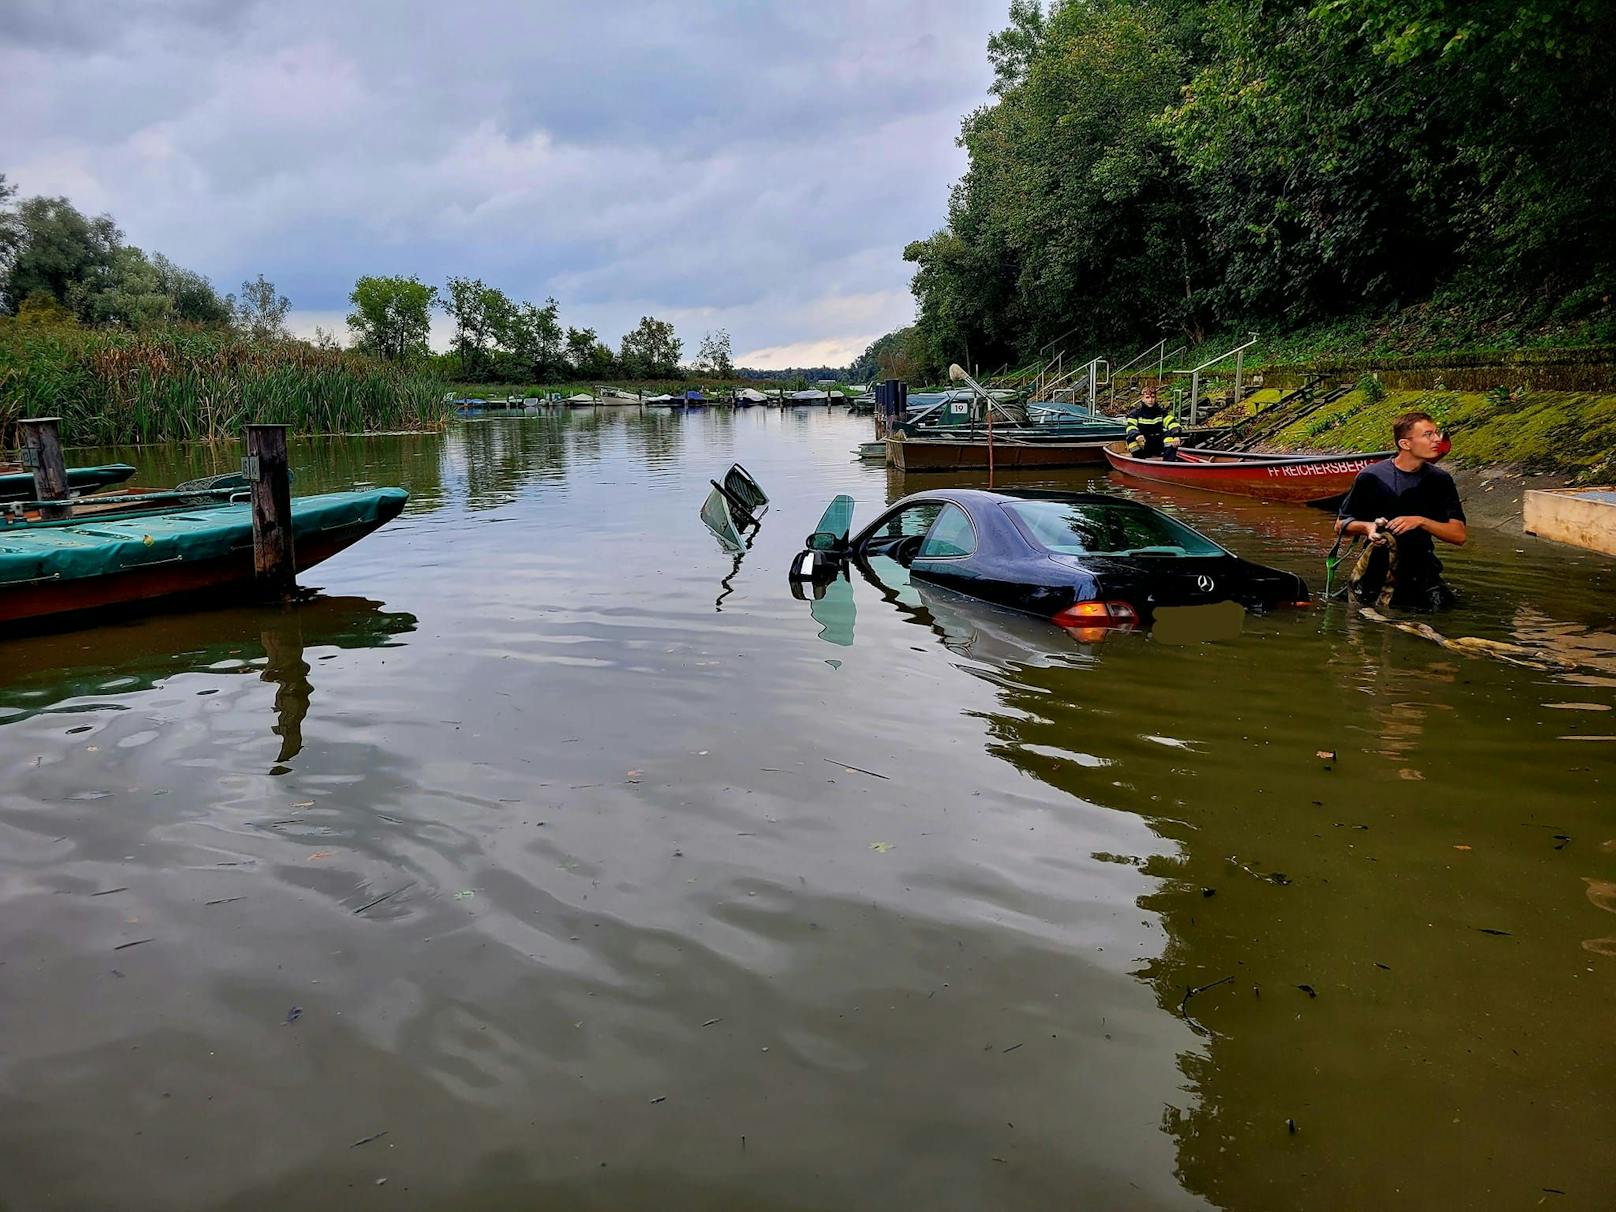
point(93, 669)
point(589, 895)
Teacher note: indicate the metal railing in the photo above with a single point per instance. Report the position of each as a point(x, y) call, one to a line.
point(1238, 353)
point(1056, 364)
point(1158, 351)
point(1096, 372)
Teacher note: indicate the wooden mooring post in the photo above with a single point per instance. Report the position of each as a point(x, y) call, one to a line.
point(274, 565)
point(891, 402)
point(42, 454)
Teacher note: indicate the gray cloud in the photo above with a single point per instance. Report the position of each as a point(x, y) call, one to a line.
point(758, 165)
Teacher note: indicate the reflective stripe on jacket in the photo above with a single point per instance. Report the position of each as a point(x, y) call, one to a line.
point(1158, 421)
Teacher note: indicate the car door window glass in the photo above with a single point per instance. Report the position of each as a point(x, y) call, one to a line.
point(950, 535)
point(898, 537)
point(913, 521)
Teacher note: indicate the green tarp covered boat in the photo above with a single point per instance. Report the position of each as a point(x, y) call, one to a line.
point(55, 568)
point(19, 485)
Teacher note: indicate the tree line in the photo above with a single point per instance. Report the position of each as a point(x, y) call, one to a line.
point(59, 266)
point(1151, 167)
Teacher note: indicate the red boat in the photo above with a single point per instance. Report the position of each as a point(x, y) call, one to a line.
point(1298, 479)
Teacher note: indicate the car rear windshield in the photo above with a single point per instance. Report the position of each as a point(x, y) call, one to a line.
point(1120, 529)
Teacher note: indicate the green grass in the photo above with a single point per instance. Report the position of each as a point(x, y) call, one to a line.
point(1566, 433)
point(113, 388)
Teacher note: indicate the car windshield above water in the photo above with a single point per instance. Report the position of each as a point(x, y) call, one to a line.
point(1108, 528)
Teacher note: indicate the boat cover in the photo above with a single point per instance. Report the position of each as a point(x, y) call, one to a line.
point(69, 550)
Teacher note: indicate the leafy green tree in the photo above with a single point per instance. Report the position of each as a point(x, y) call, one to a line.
point(601, 361)
point(893, 356)
point(259, 312)
point(11, 234)
point(589, 357)
point(1070, 212)
point(534, 335)
point(651, 351)
point(191, 296)
point(482, 314)
point(392, 317)
point(59, 251)
point(127, 292)
point(714, 356)
point(1145, 165)
point(1500, 106)
point(41, 310)
point(48, 247)
point(579, 343)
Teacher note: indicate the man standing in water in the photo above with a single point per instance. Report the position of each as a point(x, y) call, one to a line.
point(1400, 505)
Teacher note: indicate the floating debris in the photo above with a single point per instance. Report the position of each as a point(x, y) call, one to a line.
point(855, 769)
point(384, 896)
point(1184, 1003)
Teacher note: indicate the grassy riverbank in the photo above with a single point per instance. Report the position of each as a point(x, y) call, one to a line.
point(119, 388)
point(1559, 433)
point(1451, 329)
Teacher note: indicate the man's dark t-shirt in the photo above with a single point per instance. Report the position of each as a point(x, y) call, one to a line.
point(1384, 490)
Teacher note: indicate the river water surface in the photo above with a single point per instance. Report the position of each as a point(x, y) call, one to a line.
point(554, 858)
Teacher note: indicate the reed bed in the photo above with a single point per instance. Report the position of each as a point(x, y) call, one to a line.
point(119, 388)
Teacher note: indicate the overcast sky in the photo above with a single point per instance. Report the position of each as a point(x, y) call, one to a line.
point(753, 166)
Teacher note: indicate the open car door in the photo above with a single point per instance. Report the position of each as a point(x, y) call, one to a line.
point(826, 548)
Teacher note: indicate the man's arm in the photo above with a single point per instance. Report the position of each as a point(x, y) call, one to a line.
point(1449, 532)
point(1353, 526)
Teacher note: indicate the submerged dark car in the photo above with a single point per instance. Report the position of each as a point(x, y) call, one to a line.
point(1084, 561)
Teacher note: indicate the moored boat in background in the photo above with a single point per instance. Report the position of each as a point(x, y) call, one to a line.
point(18, 485)
point(1311, 479)
point(911, 453)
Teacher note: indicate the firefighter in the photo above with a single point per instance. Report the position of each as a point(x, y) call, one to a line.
point(1152, 428)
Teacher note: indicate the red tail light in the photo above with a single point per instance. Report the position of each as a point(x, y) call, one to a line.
point(1096, 614)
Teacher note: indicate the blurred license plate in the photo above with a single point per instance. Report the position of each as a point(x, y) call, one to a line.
point(1195, 624)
